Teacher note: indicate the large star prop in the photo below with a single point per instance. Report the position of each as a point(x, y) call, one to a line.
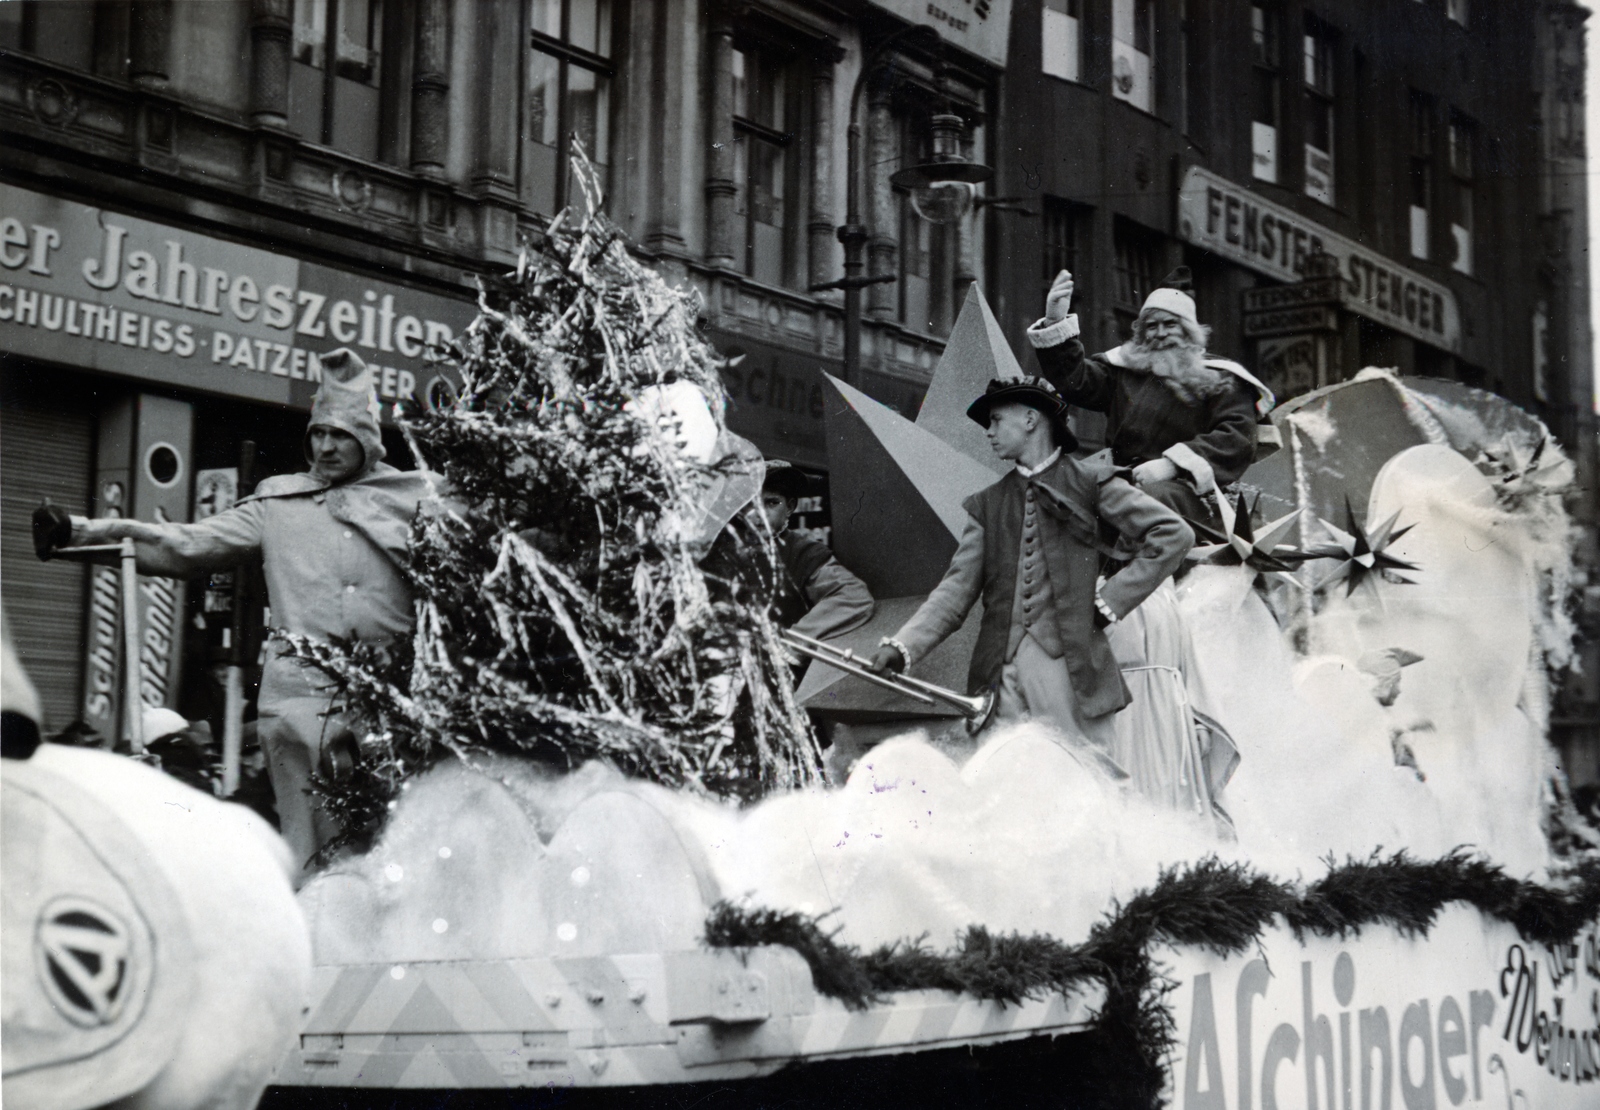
point(1238, 545)
point(1361, 552)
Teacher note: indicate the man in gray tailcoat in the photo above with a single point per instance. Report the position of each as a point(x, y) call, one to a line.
point(1032, 550)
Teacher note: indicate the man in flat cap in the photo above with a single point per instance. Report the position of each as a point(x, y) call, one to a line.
point(1032, 550)
point(333, 544)
point(817, 595)
point(1182, 420)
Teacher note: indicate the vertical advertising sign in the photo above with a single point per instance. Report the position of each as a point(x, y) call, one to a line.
point(143, 470)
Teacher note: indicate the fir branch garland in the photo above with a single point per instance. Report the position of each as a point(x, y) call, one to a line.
point(1222, 907)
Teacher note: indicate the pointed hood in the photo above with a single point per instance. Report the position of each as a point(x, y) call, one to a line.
point(348, 401)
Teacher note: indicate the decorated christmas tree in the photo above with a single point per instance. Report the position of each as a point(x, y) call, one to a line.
point(589, 584)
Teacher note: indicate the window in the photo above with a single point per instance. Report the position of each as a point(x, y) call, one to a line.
point(929, 253)
point(567, 93)
point(1462, 134)
point(1541, 352)
point(1137, 269)
point(1317, 62)
point(761, 141)
point(79, 34)
point(1456, 10)
point(1421, 171)
point(335, 96)
point(925, 248)
point(917, 287)
point(1264, 91)
point(1061, 39)
point(1133, 32)
point(1187, 116)
point(1059, 234)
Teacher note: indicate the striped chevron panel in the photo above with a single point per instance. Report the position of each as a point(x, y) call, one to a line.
point(675, 1017)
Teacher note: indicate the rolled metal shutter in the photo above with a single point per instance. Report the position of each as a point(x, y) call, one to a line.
point(44, 452)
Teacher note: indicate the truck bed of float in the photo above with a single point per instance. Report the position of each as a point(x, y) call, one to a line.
point(617, 1021)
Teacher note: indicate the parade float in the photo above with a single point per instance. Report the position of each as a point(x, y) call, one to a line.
point(590, 845)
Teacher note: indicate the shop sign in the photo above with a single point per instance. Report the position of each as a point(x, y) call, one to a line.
point(1292, 364)
point(106, 291)
point(979, 27)
point(775, 398)
point(1469, 1015)
point(1283, 321)
point(1324, 290)
point(1238, 225)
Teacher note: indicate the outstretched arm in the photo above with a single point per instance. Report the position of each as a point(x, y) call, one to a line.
point(839, 602)
point(949, 603)
point(180, 550)
point(1159, 535)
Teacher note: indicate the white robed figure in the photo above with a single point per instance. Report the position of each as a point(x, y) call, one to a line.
point(1168, 739)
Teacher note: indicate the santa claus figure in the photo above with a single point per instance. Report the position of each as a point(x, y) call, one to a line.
point(1183, 421)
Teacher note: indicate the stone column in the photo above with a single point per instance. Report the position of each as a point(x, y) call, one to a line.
point(150, 43)
point(500, 31)
point(662, 89)
point(720, 187)
point(271, 32)
point(820, 229)
point(430, 88)
point(883, 219)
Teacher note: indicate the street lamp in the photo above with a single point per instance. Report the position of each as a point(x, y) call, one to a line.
point(941, 190)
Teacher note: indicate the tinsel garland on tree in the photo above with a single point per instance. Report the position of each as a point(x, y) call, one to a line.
point(1217, 906)
point(571, 604)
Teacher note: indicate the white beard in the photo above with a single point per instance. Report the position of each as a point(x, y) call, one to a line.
point(1182, 369)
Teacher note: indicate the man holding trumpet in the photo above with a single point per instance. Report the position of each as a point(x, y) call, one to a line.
point(1033, 549)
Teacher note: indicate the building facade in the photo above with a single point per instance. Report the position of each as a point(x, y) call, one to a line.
point(1427, 152)
point(200, 195)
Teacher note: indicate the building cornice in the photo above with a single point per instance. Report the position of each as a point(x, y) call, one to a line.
point(115, 142)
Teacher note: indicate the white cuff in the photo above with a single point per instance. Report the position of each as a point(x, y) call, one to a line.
point(1187, 459)
point(1106, 611)
point(1044, 333)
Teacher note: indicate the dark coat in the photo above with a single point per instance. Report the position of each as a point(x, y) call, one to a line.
point(1145, 419)
point(816, 595)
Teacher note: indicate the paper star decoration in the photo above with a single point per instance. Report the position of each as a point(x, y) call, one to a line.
point(1238, 545)
point(1523, 473)
point(1360, 552)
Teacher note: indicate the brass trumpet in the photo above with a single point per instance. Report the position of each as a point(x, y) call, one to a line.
point(977, 709)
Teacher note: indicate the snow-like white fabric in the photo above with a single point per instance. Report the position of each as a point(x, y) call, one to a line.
point(1024, 836)
point(1045, 332)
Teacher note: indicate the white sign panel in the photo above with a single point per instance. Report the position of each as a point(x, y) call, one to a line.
point(977, 26)
point(1235, 223)
point(1471, 1015)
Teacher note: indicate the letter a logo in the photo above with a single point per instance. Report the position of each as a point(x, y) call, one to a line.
point(82, 957)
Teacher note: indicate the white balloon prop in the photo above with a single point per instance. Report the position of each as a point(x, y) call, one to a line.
point(154, 954)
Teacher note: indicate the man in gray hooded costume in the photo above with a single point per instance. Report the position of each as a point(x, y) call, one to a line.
point(332, 543)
